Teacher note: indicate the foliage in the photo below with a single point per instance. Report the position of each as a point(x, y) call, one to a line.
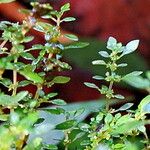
point(110, 128)
point(19, 109)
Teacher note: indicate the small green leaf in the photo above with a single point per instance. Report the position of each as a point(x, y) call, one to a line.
point(128, 126)
point(12, 101)
point(104, 54)
point(98, 62)
point(108, 118)
point(122, 65)
point(98, 77)
point(132, 74)
point(61, 79)
point(78, 136)
point(111, 43)
point(78, 112)
point(119, 96)
point(65, 7)
point(71, 37)
point(24, 83)
point(28, 73)
point(130, 47)
point(6, 82)
point(14, 118)
point(125, 107)
point(37, 46)
point(50, 95)
point(27, 56)
point(56, 111)
point(39, 121)
point(143, 105)
point(68, 19)
point(77, 45)
point(66, 125)
point(91, 85)
point(28, 39)
point(58, 102)
point(137, 81)
point(85, 142)
point(25, 11)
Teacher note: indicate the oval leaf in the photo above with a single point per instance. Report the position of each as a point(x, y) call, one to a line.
point(66, 125)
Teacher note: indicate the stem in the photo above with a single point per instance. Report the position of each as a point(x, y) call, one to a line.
point(58, 22)
point(107, 99)
point(15, 79)
point(66, 140)
point(39, 87)
point(3, 44)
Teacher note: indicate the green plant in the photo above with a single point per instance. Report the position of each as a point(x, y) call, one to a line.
point(117, 129)
point(19, 109)
point(110, 128)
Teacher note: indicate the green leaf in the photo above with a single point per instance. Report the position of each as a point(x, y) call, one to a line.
point(43, 27)
point(125, 107)
point(28, 39)
point(144, 105)
point(6, 82)
point(56, 111)
point(78, 112)
point(98, 62)
point(71, 37)
point(6, 1)
point(138, 82)
point(27, 56)
point(24, 83)
point(108, 118)
point(127, 127)
point(60, 79)
point(50, 95)
point(98, 77)
point(111, 43)
point(12, 101)
point(58, 102)
point(65, 7)
point(91, 85)
point(39, 121)
point(77, 45)
point(122, 65)
point(119, 96)
point(130, 47)
point(132, 74)
point(104, 54)
point(68, 19)
point(25, 11)
point(66, 125)
point(37, 46)
point(14, 118)
point(28, 73)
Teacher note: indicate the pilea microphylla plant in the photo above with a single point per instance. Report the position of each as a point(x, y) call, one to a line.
point(116, 129)
point(19, 109)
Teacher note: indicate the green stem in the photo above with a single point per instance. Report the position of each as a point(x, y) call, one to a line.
point(107, 99)
point(39, 87)
point(66, 141)
point(15, 79)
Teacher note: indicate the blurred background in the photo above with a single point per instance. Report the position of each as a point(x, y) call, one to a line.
point(96, 20)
